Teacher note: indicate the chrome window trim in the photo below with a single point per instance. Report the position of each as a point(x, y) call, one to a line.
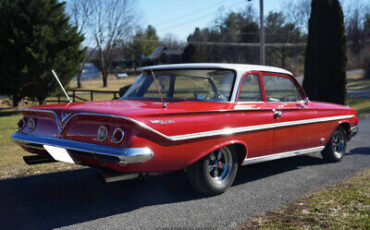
point(290, 77)
point(276, 156)
point(224, 131)
point(237, 84)
point(231, 98)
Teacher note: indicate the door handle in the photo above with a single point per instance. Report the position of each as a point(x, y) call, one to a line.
point(277, 113)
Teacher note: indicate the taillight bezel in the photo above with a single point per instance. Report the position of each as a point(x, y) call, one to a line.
point(102, 127)
point(21, 127)
point(122, 133)
point(31, 124)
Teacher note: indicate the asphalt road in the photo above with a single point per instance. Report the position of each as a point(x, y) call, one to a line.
point(76, 200)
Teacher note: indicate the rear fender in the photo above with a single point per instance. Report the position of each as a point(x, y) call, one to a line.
point(215, 147)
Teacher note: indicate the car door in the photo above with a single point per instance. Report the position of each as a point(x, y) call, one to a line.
point(251, 111)
point(291, 115)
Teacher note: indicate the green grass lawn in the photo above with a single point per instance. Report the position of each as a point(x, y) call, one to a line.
point(362, 105)
point(358, 82)
point(114, 84)
point(343, 206)
point(11, 161)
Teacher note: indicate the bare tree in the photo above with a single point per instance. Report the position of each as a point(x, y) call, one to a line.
point(170, 40)
point(79, 12)
point(298, 12)
point(357, 15)
point(111, 24)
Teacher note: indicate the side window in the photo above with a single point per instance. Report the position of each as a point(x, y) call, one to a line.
point(250, 90)
point(280, 89)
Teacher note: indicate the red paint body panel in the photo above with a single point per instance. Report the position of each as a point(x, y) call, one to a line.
point(189, 117)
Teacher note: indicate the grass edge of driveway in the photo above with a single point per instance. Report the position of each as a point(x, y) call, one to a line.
point(345, 205)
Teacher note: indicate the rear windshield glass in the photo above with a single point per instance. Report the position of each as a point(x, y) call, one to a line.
point(204, 85)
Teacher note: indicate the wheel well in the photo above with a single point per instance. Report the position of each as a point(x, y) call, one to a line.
point(347, 127)
point(240, 151)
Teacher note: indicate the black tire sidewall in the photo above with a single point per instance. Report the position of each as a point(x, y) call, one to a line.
point(209, 183)
point(329, 152)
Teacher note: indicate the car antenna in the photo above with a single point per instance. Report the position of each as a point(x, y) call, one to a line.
point(61, 86)
point(159, 92)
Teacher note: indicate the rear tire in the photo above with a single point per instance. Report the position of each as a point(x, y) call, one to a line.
point(336, 147)
point(214, 173)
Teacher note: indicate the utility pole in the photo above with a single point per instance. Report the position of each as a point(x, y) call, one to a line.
point(262, 35)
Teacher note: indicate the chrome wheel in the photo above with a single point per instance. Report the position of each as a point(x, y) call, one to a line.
point(335, 149)
point(338, 144)
point(220, 164)
point(214, 173)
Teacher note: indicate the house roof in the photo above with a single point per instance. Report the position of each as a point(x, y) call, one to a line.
point(173, 52)
point(164, 50)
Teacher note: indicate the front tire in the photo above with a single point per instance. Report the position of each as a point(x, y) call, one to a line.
point(214, 173)
point(336, 147)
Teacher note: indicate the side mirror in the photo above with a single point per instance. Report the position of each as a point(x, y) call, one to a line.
point(306, 101)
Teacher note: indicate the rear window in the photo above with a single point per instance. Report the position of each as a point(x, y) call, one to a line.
point(186, 84)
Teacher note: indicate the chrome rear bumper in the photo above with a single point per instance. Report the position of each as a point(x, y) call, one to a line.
point(122, 156)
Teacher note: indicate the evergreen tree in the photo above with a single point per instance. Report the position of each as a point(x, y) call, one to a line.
point(144, 43)
point(36, 37)
point(278, 30)
point(189, 54)
point(325, 76)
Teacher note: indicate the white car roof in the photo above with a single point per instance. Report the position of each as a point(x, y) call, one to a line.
point(236, 67)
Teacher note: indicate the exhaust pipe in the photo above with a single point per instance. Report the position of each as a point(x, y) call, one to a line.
point(108, 177)
point(38, 159)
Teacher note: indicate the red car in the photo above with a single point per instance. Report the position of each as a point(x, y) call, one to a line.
point(206, 119)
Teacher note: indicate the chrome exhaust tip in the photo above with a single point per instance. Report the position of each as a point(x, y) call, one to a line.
point(108, 177)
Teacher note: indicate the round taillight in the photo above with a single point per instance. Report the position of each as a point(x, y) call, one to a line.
point(31, 125)
point(118, 135)
point(102, 133)
point(21, 124)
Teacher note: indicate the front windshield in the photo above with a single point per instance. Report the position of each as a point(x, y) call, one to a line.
point(186, 84)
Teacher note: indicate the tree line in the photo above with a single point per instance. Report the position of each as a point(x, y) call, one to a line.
point(243, 28)
point(40, 35)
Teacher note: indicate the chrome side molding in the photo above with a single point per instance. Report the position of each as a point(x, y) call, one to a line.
point(276, 156)
point(224, 131)
point(230, 131)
